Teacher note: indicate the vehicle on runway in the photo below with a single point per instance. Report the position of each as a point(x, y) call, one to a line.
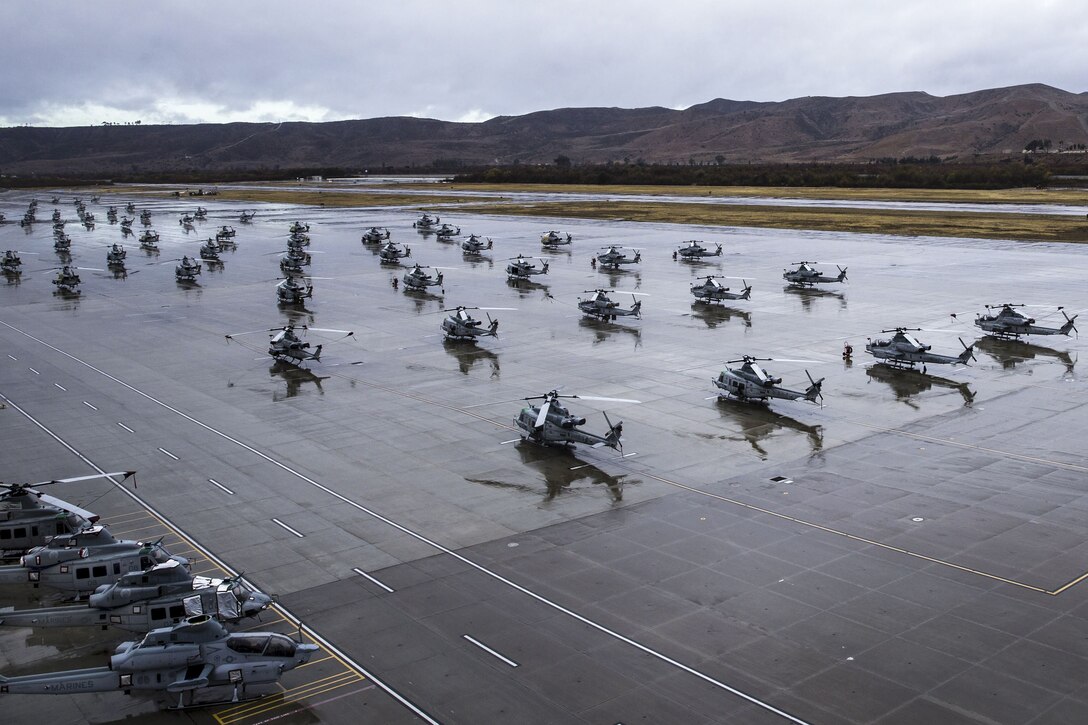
point(903, 350)
point(247, 216)
point(296, 228)
point(29, 518)
point(447, 232)
point(475, 245)
point(460, 326)
point(227, 232)
point(130, 207)
point(550, 423)
point(298, 242)
point(115, 256)
point(711, 290)
point(613, 258)
point(62, 243)
point(751, 382)
point(11, 263)
point(416, 279)
point(186, 220)
point(67, 280)
point(191, 656)
point(555, 239)
point(807, 275)
point(695, 250)
point(392, 253)
point(375, 235)
point(80, 562)
point(1009, 323)
point(292, 292)
point(520, 267)
point(426, 223)
point(601, 306)
point(111, 215)
point(186, 270)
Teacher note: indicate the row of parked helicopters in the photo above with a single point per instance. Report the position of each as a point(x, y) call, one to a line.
point(137, 587)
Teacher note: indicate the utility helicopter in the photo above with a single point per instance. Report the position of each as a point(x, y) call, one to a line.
point(550, 423)
point(140, 601)
point(1009, 323)
point(115, 256)
point(246, 216)
point(375, 235)
point(520, 267)
point(613, 258)
point(186, 270)
point(417, 280)
point(11, 263)
point(191, 656)
point(555, 239)
point(460, 326)
point(67, 280)
point(447, 232)
point(711, 290)
point(806, 275)
point(200, 214)
point(296, 228)
point(426, 223)
point(145, 217)
point(603, 308)
point(209, 251)
point(903, 350)
point(149, 239)
point(286, 345)
point(291, 292)
point(474, 245)
point(750, 382)
point(695, 250)
point(392, 253)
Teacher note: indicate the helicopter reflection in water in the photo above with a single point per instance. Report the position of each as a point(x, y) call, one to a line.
point(468, 355)
point(808, 294)
point(907, 383)
point(1010, 353)
point(295, 377)
point(758, 423)
point(563, 472)
point(714, 315)
point(602, 330)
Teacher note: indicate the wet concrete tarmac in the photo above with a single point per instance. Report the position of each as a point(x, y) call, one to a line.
point(910, 551)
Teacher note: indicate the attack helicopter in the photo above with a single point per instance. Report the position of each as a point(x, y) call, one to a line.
point(601, 307)
point(11, 263)
point(126, 225)
point(296, 228)
point(417, 280)
point(460, 326)
point(140, 601)
point(149, 239)
point(62, 243)
point(227, 232)
point(714, 291)
point(130, 207)
point(187, 220)
point(806, 275)
point(111, 215)
point(426, 223)
point(145, 217)
point(187, 270)
point(200, 214)
point(115, 256)
point(1008, 323)
point(67, 280)
point(447, 232)
point(550, 423)
point(209, 251)
point(613, 258)
point(29, 518)
point(555, 239)
point(80, 562)
point(520, 267)
point(375, 235)
point(694, 250)
point(292, 263)
point(297, 242)
point(247, 216)
point(750, 382)
point(286, 345)
point(392, 253)
point(194, 655)
point(475, 245)
point(903, 350)
point(291, 292)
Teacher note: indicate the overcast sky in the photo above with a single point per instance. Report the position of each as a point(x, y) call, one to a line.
point(68, 63)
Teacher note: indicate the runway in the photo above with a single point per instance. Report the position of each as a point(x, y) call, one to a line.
point(912, 550)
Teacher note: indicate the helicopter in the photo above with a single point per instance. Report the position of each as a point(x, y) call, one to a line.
point(392, 253)
point(459, 325)
point(145, 216)
point(695, 250)
point(115, 256)
point(200, 214)
point(209, 251)
point(474, 245)
point(126, 225)
point(292, 263)
point(416, 279)
point(290, 292)
point(149, 237)
point(62, 243)
point(285, 344)
point(140, 601)
point(111, 215)
point(1008, 323)
point(29, 518)
point(550, 423)
point(426, 223)
point(520, 267)
point(193, 655)
point(187, 270)
point(130, 207)
point(600, 306)
point(374, 235)
point(56, 215)
point(296, 228)
point(187, 220)
point(806, 275)
point(713, 291)
point(67, 280)
point(294, 243)
point(446, 232)
point(613, 257)
point(247, 216)
point(554, 239)
point(83, 560)
point(228, 231)
point(903, 350)
point(751, 382)
point(11, 263)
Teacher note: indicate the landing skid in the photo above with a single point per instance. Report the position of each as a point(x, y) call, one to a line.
point(233, 700)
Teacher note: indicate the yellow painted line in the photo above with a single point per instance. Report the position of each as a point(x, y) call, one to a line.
point(242, 711)
point(1071, 583)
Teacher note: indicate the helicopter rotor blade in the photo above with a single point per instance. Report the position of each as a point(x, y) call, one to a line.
point(542, 416)
point(74, 479)
point(597, 397)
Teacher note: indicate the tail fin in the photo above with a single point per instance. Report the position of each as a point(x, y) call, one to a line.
point(1069, 324)
point(317, 352)
point(814, 390)
point(614, 439)
point(747, 291)
point(967, 354)
point(493, 329)
point(637, 308)
point(544, 269)
point(842, 274)
point(638, 256)
point(438, 279)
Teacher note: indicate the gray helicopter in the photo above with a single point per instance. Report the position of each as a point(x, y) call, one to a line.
point(201, 214)
point(186, 270)
point(149, 239)
point(806, 275)
point(460, 326)
point(62, 243)
point(145, 216)
point(209, 251)
point(694, 250)
point(286, 345)
point(29, 518)
point(417, 280)
point(67, 280)
point(474, 245)
point(426, 223)
point(555, 239)
point(225, 234)
point(520, 267)
point(247, 216)
point(115, 256)
point(1008, 323)
point(140, 601)
point(602, 307)
point(292, 292)
point(11, 263)
point(194, 655)
point(711, 290)
point(550, 423)
point(613, 258)
point(80, 562)
point(750, 382)
point(375, 235)
point(903, 350)
point(392, 253)
point(293, 261)
point(447, 232)
point(298, 239)
point(296, 228)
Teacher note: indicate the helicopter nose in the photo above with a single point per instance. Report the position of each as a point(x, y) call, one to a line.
point(256, 602)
